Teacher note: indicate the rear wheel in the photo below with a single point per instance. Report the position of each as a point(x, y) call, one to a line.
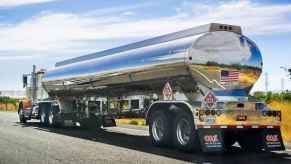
point(43, 117)
point(160, 129)
point(185, 135)
point(52, 119)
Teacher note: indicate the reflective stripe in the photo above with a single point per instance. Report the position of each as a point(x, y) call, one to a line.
point(237, 126)
point(207, 127)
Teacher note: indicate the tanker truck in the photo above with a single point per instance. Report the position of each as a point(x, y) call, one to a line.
point(192, 88)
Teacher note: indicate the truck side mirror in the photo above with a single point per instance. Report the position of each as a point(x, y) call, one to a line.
point(24, 80)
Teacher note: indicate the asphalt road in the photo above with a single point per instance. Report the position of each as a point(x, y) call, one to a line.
point(33, 144)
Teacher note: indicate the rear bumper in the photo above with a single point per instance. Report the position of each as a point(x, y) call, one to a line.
point(213, 139)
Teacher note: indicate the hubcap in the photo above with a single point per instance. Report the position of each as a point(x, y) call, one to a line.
point(158, 129)
point(51, 117)
point(42, 117)
point(183, 131)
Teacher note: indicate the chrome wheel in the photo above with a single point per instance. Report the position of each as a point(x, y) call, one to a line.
point(42, 117)
point(158, 129)
point(51, 118)
point(183, 131)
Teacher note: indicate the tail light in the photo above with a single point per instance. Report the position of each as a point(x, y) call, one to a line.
point(272, 114)
point(210, 112)
point(207, 112)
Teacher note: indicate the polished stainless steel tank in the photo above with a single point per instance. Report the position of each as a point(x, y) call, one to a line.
point(216, 56)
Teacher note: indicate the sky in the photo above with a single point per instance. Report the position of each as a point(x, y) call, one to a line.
point(42, 32)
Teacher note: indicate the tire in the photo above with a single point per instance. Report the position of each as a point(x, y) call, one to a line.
point(22, 118)
point(160, 129)
point(185, 135)
point(43, 118)
point(52, 119)
point(251, 142)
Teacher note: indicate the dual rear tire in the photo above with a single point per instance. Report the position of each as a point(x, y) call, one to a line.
point(43, 117)
point(178, 131)
point(48, 118)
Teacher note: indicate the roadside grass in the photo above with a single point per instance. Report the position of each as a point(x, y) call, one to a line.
point(285, 107)
point(8, 107)
point(130, 121)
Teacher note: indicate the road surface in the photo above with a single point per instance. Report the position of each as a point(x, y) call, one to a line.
point(31, 143)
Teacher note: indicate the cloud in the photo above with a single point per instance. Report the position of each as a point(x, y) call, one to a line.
point(255, 18)
point(128, 13)
point(13, 3)
point(65, 33)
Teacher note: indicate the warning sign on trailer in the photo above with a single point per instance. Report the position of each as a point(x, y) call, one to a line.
point(210, 100)
point(167, 92)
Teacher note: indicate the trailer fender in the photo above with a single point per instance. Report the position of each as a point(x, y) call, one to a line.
point(169, 106)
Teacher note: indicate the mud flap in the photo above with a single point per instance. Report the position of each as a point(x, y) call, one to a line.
point(211, 140)
point(272, 140)
point(108, 121)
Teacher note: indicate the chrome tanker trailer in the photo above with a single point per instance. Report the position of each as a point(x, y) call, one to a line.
point(193, 88)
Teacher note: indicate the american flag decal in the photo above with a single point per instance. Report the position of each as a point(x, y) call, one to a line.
point(228, 77)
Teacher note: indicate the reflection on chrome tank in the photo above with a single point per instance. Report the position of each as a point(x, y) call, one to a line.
point(216, 59)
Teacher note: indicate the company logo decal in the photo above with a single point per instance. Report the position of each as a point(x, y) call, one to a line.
point(272, 138)
point(211, 138)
